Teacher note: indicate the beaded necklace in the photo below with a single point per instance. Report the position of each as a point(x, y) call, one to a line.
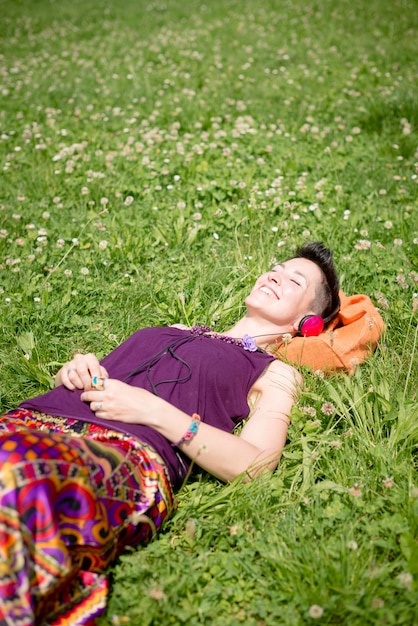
point(247, 342)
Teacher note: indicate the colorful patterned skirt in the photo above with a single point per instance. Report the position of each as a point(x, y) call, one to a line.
point(73, 495)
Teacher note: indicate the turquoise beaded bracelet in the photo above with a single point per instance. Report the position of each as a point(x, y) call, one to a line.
point(190, 432)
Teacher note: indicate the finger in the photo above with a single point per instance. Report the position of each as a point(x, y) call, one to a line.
point(97, 372)
point(103, 372)
point(68, 376)
point(74, 378)
point(92, 396)
point(87, 365)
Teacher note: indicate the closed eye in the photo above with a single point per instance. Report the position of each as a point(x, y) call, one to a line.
point(299, 283)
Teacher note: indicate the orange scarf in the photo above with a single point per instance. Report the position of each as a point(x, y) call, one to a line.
point(346, 342)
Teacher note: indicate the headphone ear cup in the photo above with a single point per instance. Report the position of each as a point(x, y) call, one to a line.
point(311, 326)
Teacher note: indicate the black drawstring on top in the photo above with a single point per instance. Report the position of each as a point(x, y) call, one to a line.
point(147, 365)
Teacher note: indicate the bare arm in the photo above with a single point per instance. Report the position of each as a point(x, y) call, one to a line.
point(222, 454)
point(261, 441)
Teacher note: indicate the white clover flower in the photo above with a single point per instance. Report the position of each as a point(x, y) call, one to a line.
point(388, 482)
point(355, 491)
point(309, 410)
point(315, 611)
point(328, 408)
point(381, 300)
point(103, 244)
point(128, 200)
point(406, 580)
point(84, 271)
point(363, 244)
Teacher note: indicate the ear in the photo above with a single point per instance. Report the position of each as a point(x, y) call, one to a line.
point(295, 327)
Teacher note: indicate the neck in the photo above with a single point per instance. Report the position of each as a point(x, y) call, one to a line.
point(266, 336)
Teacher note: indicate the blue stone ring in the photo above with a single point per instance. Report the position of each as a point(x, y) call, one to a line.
point(98, 382)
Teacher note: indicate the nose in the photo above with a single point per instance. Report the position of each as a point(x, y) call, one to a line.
point(275, 277)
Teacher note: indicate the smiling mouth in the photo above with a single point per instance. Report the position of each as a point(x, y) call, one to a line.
point(268, 292)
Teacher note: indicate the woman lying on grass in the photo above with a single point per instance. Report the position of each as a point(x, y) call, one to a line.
point(91, 466)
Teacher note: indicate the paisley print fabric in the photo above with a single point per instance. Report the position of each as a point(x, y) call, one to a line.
point(73, 495)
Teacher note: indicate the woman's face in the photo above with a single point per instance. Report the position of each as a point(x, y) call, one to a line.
point(285, 294)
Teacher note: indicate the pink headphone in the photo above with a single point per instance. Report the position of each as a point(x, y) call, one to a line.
point(313, 325)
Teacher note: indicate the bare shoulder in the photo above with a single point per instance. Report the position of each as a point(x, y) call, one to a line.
point(180, 326)
point(279, 375)
point(271, 400)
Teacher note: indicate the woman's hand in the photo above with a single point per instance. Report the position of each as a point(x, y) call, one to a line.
point(120, 402)
point(77, 373)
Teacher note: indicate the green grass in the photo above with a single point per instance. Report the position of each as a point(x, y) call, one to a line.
point(155, 157)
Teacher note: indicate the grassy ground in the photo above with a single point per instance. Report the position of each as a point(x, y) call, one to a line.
point(155, 157)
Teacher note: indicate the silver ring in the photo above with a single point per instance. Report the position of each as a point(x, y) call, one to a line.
point(98, 406)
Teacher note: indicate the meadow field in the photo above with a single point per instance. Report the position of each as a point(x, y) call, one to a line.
point(155, 158)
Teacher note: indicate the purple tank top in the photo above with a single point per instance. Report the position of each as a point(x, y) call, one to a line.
point(195, 373)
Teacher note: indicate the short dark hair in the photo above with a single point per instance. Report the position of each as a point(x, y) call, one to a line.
point(326, 302)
